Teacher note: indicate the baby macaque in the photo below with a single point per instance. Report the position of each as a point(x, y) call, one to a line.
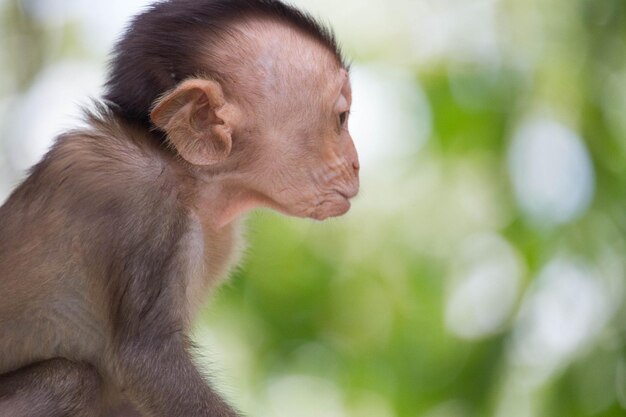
point(110, 245)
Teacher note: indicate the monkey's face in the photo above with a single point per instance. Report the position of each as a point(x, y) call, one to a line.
point(307, 165)
point(279, 131)
point(329, 174)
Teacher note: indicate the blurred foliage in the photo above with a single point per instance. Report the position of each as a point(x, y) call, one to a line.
point(356, 317)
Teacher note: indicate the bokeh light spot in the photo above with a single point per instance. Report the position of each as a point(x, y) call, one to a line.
point(484, 287)
point(565, 309)
point(552, 173)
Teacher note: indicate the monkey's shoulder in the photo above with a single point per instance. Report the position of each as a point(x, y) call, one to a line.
point(105, 176)
point(110, 155)
point(109, 161)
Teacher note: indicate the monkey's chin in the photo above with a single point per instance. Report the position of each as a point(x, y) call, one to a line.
point(335, 208)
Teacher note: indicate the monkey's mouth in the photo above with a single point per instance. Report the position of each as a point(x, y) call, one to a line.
point(349, 194)
point(336, 204)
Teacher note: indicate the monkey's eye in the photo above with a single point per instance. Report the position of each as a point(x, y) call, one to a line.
point(343, 118)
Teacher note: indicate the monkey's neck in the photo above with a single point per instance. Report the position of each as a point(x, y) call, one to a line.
point(220, 202)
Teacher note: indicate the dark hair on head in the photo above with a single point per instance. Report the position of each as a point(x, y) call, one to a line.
point(160, 47)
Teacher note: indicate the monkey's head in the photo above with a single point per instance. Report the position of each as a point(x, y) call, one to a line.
point(265, 108)
point(279, 120)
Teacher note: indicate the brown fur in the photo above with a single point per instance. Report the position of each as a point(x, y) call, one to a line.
point(83, 243)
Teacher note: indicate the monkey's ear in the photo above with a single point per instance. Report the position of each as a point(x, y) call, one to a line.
point(198, 121)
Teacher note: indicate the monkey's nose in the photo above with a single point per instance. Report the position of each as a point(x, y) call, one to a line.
point(352, 156)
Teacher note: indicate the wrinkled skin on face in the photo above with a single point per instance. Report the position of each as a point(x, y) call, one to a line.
point(309, 165)
point(274, 133)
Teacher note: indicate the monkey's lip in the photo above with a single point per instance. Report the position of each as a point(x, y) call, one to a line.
point(332, 207)
point(348, 194)
point(339, 209)
point(345, 205)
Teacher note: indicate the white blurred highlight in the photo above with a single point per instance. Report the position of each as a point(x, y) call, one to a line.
point(566, 308)
point(51, 106)
point(390, 117)
point(440, 29)
point(101, 22)
point(303, 396)
point(552, 173)
point(484, 288)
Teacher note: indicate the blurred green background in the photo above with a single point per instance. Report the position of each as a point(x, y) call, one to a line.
point(481, 269)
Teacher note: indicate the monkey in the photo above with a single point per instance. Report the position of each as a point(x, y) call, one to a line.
point(113, 241)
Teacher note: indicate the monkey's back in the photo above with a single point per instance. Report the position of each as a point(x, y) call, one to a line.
point(60, 240)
